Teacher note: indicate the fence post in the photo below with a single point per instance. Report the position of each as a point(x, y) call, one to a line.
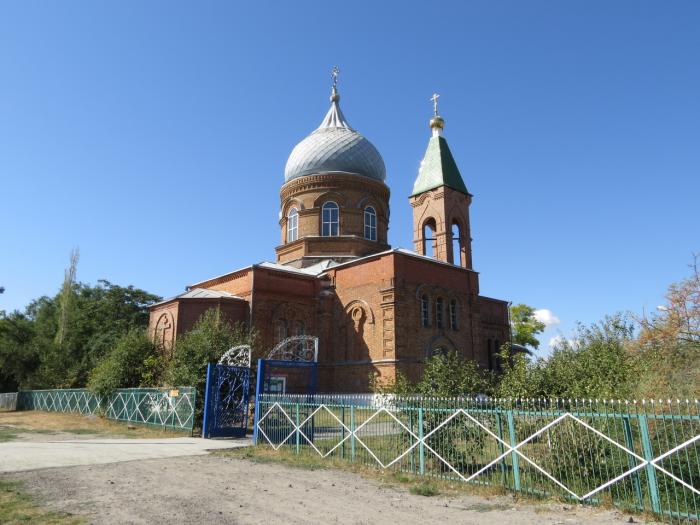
point(205, 420)
point(342, 418)
point(352, 429)
point(629, 441)
point(499, 426)
point(258, 391)
point(651, 471)
point(514, 455)
point(296, 424)
point(421, 444)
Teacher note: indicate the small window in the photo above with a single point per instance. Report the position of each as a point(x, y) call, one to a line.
point(292, 225)
point(330, 220)
point(453, 314)
point(300, 328)
point(425, 311)
point(439, 312)
point(370, 224)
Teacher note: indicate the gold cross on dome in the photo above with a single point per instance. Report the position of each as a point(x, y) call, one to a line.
point(435, 98)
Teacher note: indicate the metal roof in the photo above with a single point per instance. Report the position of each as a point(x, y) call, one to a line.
point(202, 293)
point(438, 168)
point(334, 147)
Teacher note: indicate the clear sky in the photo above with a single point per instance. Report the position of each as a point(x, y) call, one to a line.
point(153, 135)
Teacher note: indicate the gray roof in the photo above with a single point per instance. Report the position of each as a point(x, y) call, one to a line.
point(202, 293)
point(336, 148)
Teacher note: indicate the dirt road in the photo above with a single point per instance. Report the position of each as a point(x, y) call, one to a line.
point(210, 489)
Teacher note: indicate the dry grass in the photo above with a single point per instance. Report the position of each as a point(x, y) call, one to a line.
point(14, 423)
point(17, 507)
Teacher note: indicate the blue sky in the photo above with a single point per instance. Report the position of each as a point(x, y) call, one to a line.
point(153, 135)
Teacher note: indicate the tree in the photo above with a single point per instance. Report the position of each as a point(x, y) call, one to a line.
point(30, 353)
point(128, 365)
point(210, 337)
point(669, 342)
point(452, 375)
point(524, 325)
point(65, 298)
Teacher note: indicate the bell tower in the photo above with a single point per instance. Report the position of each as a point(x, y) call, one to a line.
point(440, 202)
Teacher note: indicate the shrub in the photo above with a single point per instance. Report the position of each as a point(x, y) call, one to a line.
point(210, 337)
point(125, 366)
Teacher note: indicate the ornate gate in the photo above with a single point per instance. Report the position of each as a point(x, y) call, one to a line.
point(290, 368)
point(226, 395)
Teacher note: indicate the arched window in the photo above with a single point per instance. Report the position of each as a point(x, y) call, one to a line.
point(453, 314)
point(425, 311)
point(292, 225)
point(456, 244)
point(370, 223)
point(429, 228)
point(281, 330)
point(330, 219)
point(439, 312)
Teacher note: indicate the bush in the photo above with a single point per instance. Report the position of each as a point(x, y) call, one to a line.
point(126, 366)
point(210, 337)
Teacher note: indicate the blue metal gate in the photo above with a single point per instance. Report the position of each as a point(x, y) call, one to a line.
point(226, 401)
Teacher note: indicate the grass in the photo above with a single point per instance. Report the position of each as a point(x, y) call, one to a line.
point(12, 424)
point(7, 434)
point(18, 507)
point(424, 488)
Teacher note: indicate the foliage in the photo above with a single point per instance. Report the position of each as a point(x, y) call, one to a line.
point(129, 364)
point(31, 355)
point(669, 342)
point(400, 385)
point(525, 326)
point(210, 337)
point(451, 375)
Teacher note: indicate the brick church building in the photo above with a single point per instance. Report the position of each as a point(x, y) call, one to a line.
point(375, 309)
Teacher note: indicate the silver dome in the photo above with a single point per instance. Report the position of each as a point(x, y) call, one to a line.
point(335, 147)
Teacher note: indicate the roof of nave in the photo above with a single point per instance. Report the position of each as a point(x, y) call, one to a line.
point(201, 293)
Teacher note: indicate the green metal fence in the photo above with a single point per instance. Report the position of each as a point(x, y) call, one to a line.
point(640, 455)
point(8, 401)
point(171, 408)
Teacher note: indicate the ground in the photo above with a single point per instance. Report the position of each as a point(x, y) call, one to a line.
point(229, 487)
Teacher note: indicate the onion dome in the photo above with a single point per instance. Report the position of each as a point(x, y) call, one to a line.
point(334, 147)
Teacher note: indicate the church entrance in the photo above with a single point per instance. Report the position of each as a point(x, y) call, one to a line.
point(290, 368)
point(226, 395)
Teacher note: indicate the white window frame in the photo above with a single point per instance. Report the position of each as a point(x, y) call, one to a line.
point(292, 225)
point(370, 223)
point(333, 219)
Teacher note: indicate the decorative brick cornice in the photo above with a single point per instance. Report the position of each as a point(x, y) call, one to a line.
point(330, 181)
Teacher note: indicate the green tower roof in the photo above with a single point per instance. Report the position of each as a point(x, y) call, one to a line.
point(438, 169)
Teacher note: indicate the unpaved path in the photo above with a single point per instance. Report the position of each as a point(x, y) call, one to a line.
point(211, 489)
point(48, 452)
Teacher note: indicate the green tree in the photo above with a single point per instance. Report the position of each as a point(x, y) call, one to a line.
point(31, 355)
point(451, 375)
point(524, 325)
point(130, 364)
point(210, 337)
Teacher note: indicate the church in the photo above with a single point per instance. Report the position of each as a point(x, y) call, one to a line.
point(375, 309)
